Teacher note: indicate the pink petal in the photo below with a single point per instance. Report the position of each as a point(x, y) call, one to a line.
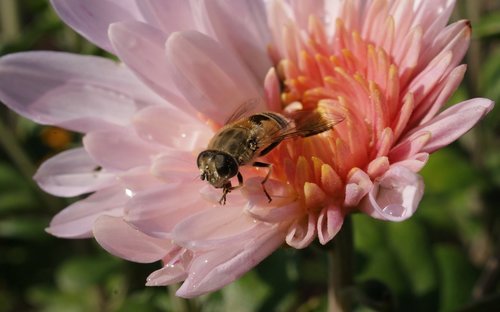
point(409, 146)
point(216, 83)
point(244, 33)
point(423, 84)
point(91, 18)
point(454, 122)
point(122, 240)
point(395, 196)
point(302, 10)
point(119, 149)
point(176, 166)
point(458, 46)
point(272, 90)
point(158, 210)
point(77, 220)
point(279, 15)
point(357, 186)
point(282, 194)
point(142, 48)
point(438, 97)
point(174, 269)
point(377, 167)
point(215, 269)
point(330, 222)
point(169, 16)
point(414, 163)
point(38, 85)
point(171, 127)
point(169, 274)
point(139, 179)
point(445, 40)
point(216, 227)
point(434, 15)
point(302, 232)
point(72, 173)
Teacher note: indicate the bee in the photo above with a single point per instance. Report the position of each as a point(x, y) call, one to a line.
point(245, 138)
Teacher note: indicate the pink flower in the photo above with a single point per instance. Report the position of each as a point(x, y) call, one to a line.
point(387, 66)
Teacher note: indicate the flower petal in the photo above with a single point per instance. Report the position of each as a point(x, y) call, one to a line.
point(330, 221)
point(176, 166)
point(169, 274)
point(91, 18)
point(302, 232)
point(119, 149)
point(414, 163)
point(215, 227)
point(272, 90)
point(212, 270)
point(212, 79)
point(142, 48)
point(357, 186)
point(169, 16)
point(156, 211)
point(81, 93)
point(244, 33)
point(453, 122)
point(171, 127)
point(174, 269)
point(122, 240)
point(72, 173)
point(77, 220)
point(409, 146)
point(395, 196)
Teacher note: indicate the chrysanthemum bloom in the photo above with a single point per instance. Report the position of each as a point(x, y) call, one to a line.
point(388, 67)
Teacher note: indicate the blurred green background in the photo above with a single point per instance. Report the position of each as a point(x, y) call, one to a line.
point(446, 258)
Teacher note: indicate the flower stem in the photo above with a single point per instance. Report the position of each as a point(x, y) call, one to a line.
point(340, 269)
point(9, 20)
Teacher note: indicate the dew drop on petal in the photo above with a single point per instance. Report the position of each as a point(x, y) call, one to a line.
point(129, 193)
point(394, 210)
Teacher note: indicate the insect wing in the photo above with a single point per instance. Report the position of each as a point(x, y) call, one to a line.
point(305, 123)
point(248, 108)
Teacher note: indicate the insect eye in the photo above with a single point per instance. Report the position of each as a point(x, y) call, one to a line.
point(226, 166)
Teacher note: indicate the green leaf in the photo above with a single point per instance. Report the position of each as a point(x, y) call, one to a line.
point(456, 277)
point(489, 76)
point(80, 273)
point(143, 301)
point(488, 25)
point(447, 172)
point(369, 233)
point(410, 243)
point(49, 300)
point(384, 267)
point(23, 228)
point(236, 295)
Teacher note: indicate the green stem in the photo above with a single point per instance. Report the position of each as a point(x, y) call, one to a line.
point(340, 269)
point(9, 20)
point(178, 303)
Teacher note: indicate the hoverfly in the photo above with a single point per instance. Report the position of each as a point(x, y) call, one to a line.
point(244, 138)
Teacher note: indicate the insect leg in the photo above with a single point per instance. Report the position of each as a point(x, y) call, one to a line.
point(228, 188)
point(225, 190)
point(265, 165)
point(240, 180)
